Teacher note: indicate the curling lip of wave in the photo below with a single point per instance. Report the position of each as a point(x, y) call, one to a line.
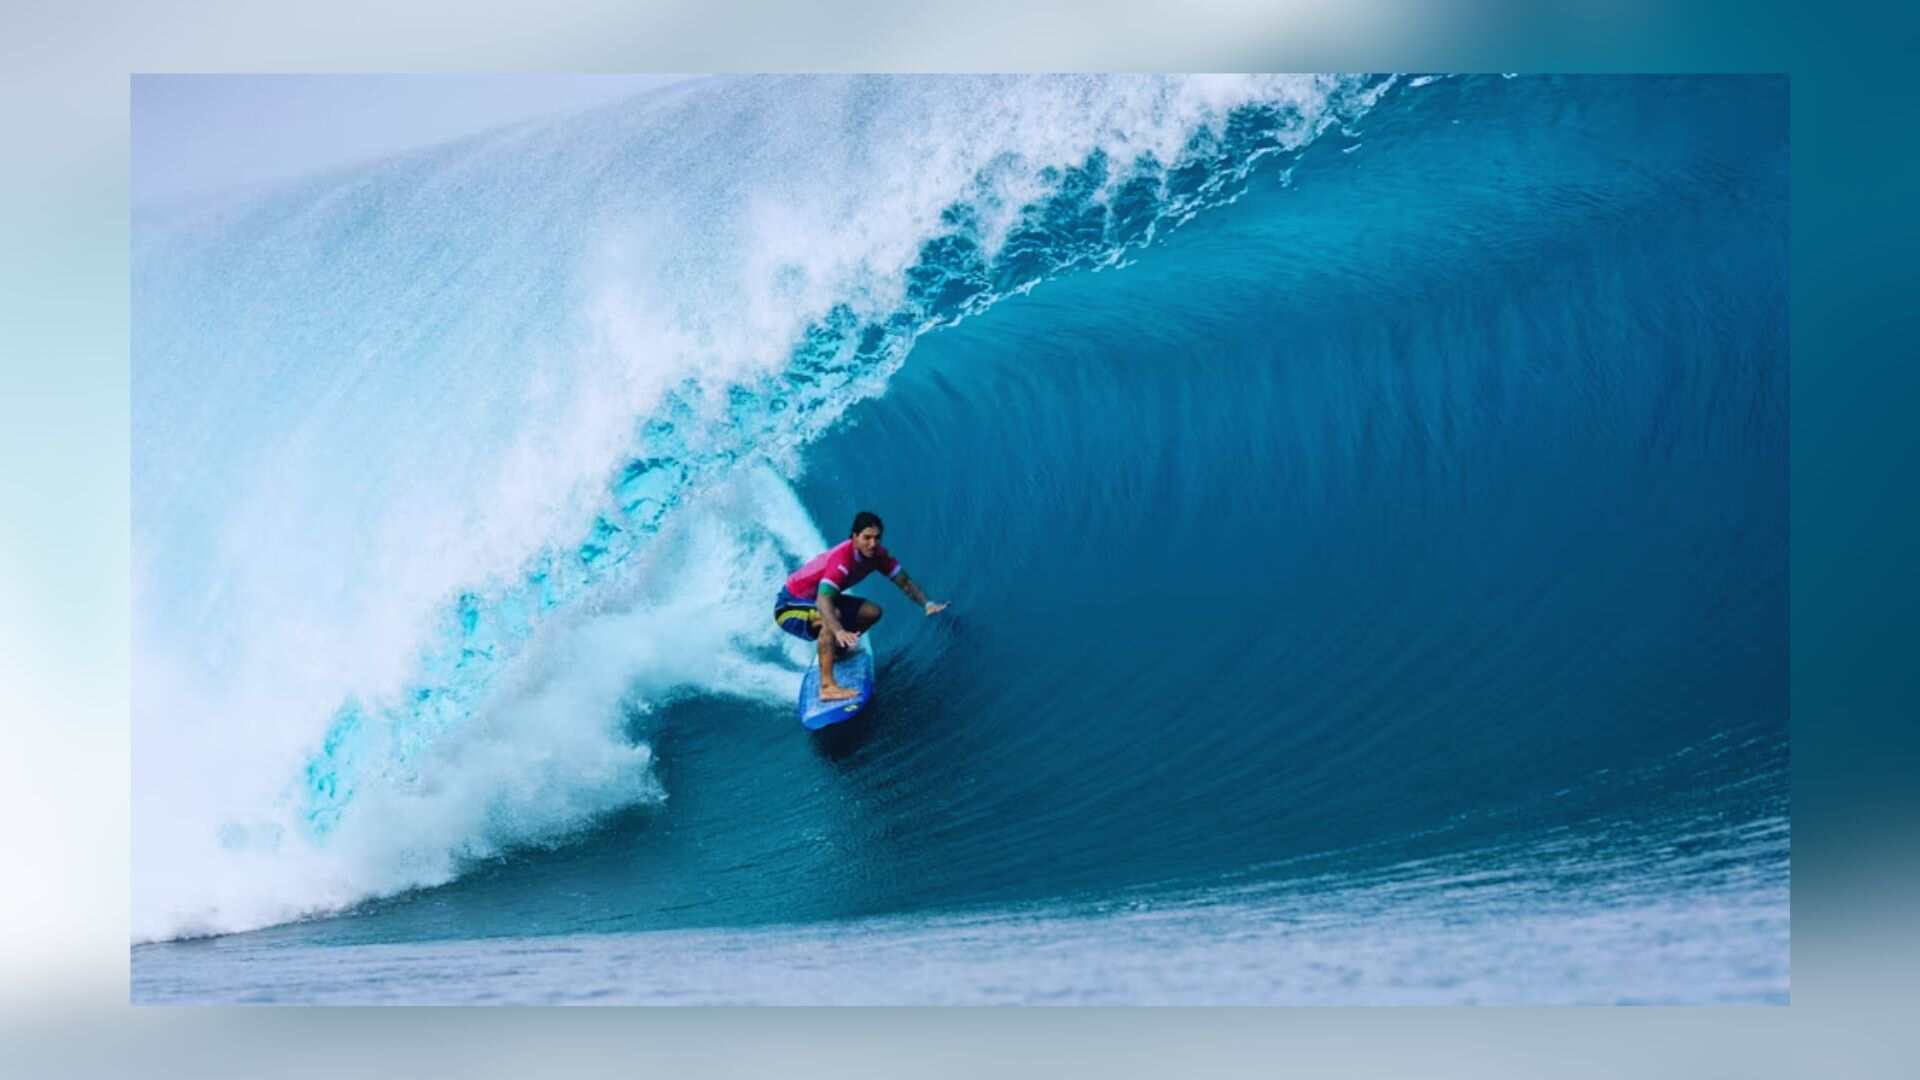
point(1096, 211)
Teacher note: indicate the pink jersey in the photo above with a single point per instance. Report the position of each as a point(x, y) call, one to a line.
point(840, 566)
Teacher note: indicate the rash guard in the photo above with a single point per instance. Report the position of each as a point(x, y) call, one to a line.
point(841, 566)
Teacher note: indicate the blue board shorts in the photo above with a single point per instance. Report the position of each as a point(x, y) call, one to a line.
point(802, 619)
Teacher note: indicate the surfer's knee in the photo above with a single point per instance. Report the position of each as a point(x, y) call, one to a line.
point(870, 612)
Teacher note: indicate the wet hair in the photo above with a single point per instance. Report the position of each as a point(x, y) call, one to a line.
point(865, 518)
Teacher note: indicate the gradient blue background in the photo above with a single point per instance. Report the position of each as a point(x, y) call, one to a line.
point(63, 547)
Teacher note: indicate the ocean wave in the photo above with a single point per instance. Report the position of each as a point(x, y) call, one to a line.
point(843, 217)
point(1405, 487)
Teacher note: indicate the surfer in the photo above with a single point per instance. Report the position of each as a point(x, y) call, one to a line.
point(814, 605)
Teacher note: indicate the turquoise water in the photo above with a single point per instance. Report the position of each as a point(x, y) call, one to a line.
point(1363, 504)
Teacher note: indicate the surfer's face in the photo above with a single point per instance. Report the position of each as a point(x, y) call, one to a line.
point(866, 540)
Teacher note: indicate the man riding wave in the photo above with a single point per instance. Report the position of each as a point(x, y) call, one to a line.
point(814, 604)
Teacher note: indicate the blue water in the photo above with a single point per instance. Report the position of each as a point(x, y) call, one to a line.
point(1363, 505)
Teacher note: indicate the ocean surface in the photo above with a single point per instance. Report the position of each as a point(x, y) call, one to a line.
point(1362, 501)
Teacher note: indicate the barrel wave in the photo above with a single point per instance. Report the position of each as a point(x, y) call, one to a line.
point(1336, 481)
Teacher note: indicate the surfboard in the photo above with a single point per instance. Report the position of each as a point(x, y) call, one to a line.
point(854, 671)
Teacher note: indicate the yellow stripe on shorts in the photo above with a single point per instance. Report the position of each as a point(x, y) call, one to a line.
point(811, 614)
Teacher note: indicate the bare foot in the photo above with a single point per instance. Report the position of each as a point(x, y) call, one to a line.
point(837, 693)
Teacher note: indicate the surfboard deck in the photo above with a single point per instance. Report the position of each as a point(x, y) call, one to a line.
point(854, 671)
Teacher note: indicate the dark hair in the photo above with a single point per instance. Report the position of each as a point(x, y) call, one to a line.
point(865, 518)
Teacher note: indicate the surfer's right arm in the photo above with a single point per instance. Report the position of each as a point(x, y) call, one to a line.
point(830, 617)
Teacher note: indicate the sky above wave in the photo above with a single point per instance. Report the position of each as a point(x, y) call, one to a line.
point(197, 135)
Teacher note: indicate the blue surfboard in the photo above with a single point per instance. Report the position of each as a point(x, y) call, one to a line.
point(855, 672)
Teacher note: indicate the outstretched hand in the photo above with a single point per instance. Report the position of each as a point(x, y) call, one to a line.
point(935, 609)
point(847, 638)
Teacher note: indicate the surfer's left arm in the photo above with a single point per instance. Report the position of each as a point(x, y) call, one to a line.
point(914, 594)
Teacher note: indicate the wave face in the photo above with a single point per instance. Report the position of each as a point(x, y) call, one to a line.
point(1326, 473)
